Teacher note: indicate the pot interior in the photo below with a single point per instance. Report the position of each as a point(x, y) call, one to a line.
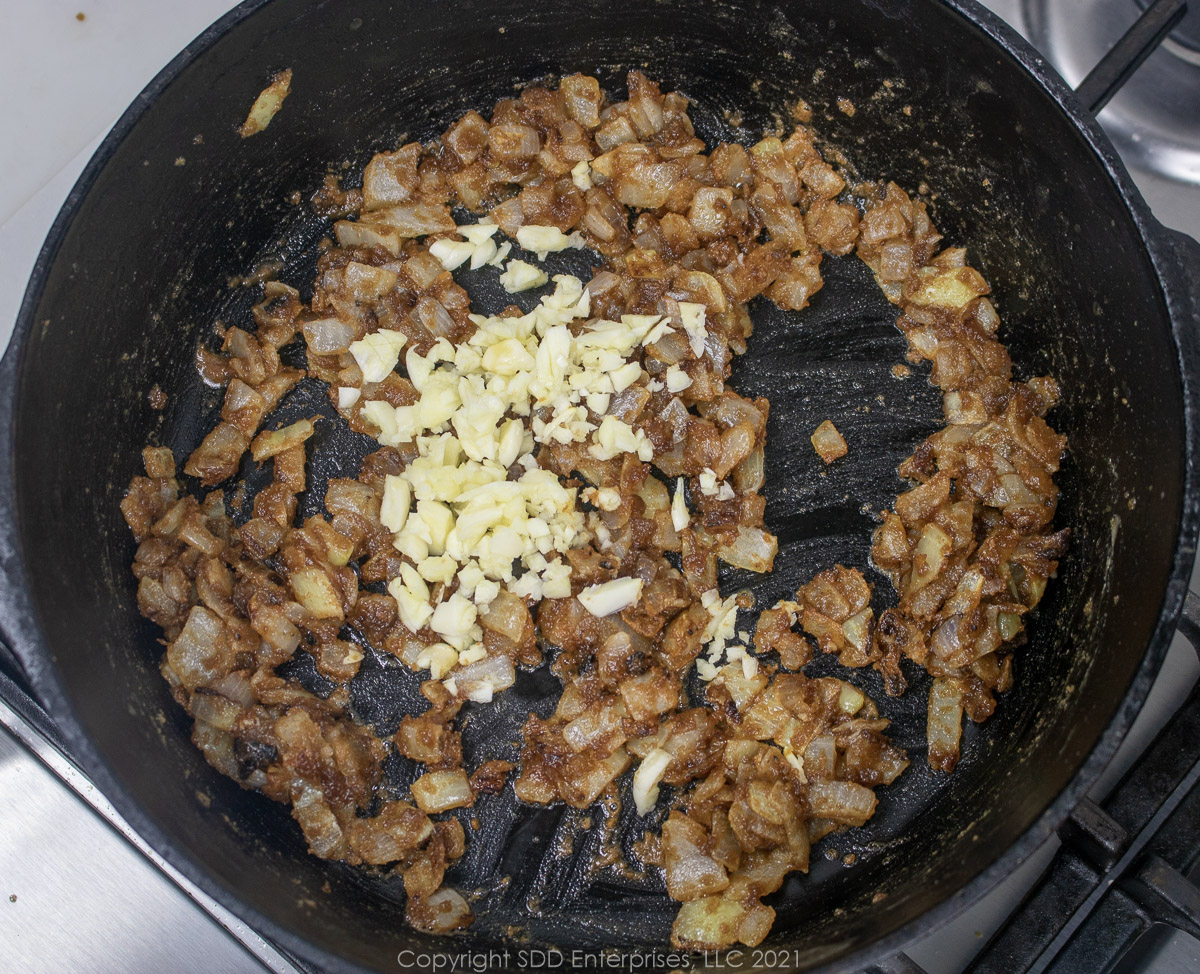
point(182, 204)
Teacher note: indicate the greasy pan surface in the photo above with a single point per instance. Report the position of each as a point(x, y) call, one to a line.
point(141, 275)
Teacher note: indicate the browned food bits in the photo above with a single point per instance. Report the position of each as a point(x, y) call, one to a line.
point(770, 760)
point(828, 442)
point(267, 104)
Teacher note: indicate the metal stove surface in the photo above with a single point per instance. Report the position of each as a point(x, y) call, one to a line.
point(79, 891)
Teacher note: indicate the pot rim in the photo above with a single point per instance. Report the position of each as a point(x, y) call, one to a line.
point(1180, 297)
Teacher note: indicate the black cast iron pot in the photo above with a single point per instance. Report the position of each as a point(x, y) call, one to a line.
point(135, 273)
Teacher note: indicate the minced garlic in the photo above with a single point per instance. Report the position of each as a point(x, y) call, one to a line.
point(474, 505)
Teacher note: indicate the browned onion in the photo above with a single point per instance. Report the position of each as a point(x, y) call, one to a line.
point(753, 548)
point(507, 615)
point(513, 141)
point(412, 219)
point(325, 336)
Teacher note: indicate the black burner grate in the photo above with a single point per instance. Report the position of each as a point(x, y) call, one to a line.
point(1121, 894)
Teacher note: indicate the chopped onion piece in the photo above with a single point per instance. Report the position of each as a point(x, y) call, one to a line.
point(828, 442)
point(494, 673)
point(315, 591)
point(850, 700)
point(271, 443)
point(439, 791)
point(267, 104)
point(325, 336)
point(753, 549)
point(440, 914)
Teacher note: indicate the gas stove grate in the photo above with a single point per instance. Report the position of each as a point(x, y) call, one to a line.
point(1121, 894)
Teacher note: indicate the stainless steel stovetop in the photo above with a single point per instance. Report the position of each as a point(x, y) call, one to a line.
point(79, 891)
